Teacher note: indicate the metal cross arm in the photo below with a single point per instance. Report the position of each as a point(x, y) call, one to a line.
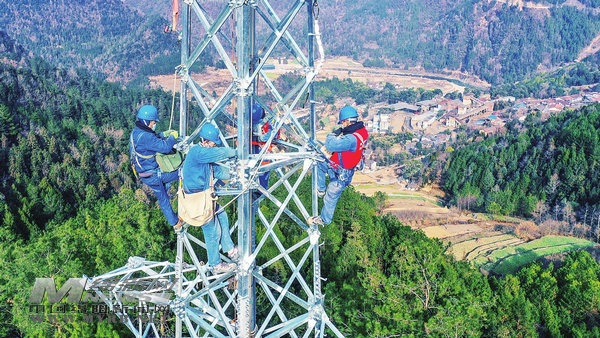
point(273, 40)
point(273, 21)
point(210, 36)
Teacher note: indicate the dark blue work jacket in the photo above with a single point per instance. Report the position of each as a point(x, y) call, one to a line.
point(143, 146)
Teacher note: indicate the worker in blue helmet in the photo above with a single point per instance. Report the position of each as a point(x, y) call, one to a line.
point(346, 145)
point(144, 144)
point(261, 131)
point(196, 173)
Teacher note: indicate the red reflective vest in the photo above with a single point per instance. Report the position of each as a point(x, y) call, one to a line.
point(350, 159)
point(265, 129)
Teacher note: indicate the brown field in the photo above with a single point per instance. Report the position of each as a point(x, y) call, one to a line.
point(341, 67)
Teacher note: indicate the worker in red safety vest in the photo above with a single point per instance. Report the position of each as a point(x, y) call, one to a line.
point(346, 145)
point(262, 131)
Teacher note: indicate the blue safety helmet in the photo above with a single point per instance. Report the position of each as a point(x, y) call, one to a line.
point(149, 113)
point(347, 113)
point(211, 133)
point(258, 113)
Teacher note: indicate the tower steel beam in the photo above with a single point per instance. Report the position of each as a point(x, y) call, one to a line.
point(278, 249)
point(246, 295)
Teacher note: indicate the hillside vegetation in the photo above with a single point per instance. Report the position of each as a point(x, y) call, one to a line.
point(494, 40)
point(64, 137)
point(542, 169)
point(69, 206)
point(555, 83)
point(104, 37)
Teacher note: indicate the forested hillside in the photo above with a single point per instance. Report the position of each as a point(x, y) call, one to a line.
point(491, 39)
point(498, 42)
point(104, 37)
point(546, 169)
point(555, 83)
point(64, 135)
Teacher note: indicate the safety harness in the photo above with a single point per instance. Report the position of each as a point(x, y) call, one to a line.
point(352, 158)
point(359, 147)
point(144, 174)
point(265, 129)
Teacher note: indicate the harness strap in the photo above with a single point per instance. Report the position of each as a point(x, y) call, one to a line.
point(359, 136)
point(138, 154)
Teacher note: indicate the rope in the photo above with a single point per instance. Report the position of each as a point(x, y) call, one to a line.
point(173, 101)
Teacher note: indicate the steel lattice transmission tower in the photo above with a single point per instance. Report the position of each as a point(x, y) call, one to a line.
point(284, 276)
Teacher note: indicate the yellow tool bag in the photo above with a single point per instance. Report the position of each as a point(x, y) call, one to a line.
point(198, 208)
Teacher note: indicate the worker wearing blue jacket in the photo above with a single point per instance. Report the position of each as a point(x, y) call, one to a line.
point(261, 133)
point(346, 145)
point(196, 171)
point(144, 144)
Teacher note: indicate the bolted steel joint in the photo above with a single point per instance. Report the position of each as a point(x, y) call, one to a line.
point(236, 3)
point(178, 307)
point(245, 266)
point(135, 262)
point(184, 73)
point(316, 312)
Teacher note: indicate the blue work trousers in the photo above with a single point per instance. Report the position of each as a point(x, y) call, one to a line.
point(263, 179)
point(217, 232)
point(159, 183)
point(339, 179)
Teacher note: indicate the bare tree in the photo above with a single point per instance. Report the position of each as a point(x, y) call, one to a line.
point(540, 213)
point(587, 208)
point(465, 202)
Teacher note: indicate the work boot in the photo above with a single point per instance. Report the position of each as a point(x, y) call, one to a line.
point(233, 253)
point(321, 194)
point(316, 220)
point(177, 227)
point(223, 267)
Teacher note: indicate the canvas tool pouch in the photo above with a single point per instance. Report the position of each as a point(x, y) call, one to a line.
point(198, 208)
point(169, 162)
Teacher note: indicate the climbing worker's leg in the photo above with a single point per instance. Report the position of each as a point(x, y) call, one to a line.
point(334, 191)
point(322, 169)
point(155, 182)
point(167, 178)
point(211, 238)
point(226, 242)
point(264, 179)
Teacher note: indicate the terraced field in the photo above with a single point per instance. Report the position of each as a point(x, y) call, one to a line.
point(510, 258)
point(483, 239)
point(464, 249)
point(499, 252)
point(451, 230)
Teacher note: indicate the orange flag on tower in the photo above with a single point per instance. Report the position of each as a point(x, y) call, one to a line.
point(175, 14)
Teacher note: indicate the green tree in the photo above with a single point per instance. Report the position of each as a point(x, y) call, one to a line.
point(8, 126)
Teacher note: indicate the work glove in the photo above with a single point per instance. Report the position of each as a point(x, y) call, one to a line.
point(170, 132)
point(337, 132)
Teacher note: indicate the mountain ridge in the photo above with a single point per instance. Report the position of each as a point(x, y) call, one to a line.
point(104, 37)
